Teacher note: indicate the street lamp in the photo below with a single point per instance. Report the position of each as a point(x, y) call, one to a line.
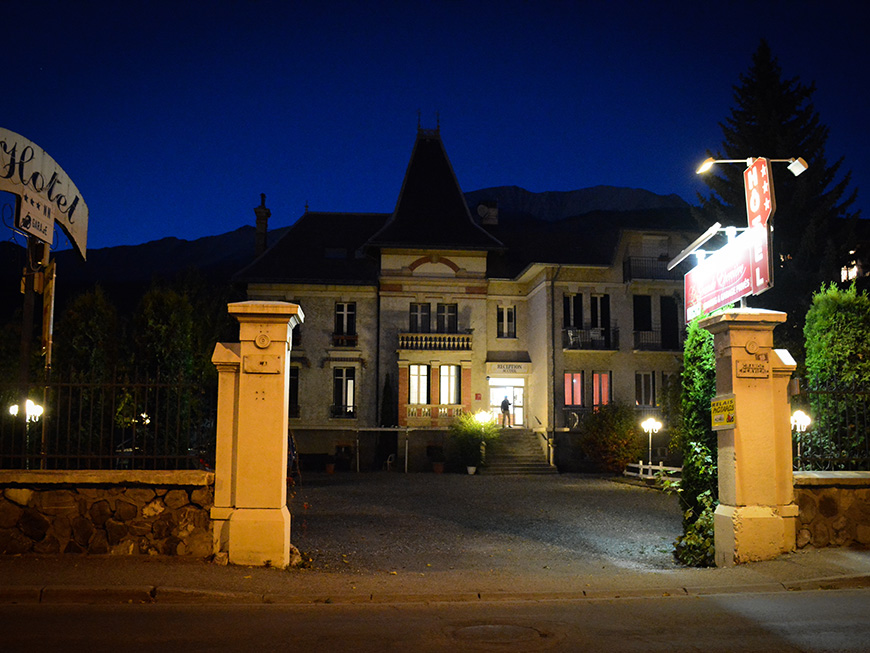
point(795, 165)
point(650, 426)
point(32, 411)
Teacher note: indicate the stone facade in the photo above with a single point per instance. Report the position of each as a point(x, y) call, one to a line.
point(118, 513)
point(834, 508)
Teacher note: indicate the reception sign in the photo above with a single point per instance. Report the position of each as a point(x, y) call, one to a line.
point(47, 195)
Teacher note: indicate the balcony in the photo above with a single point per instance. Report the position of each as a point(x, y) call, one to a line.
point(344, 340)
point(655, 340)
point(598, 339)
point(431, 414)
point(435, 341)
point(649, 267)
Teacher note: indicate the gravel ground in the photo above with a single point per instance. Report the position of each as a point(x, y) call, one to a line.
point(360, 523)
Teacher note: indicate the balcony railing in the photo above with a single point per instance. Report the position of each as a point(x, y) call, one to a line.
point(655, 340)
point(337, 411)
point(428, 411)
point(649, 267)
point(591, 338)
point(344, 340)
point(435, 341)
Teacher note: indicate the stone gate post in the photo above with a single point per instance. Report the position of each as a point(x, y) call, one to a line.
point(250, 516)
point(757, 515)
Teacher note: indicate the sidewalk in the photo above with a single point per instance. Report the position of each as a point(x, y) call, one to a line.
point(108, 579)
point(397, 538)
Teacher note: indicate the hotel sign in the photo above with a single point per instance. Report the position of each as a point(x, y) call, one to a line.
point(501, 369)
point(47, 195)
point(735, 271)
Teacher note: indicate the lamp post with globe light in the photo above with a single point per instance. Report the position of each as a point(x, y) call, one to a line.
point(650, 426)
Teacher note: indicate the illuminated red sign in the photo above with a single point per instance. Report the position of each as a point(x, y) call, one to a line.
point(735, 271)
point(758, 185)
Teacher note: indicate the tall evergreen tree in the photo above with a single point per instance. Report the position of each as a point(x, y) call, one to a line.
point(774, 117)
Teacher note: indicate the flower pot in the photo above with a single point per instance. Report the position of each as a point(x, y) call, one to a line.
point(471, 470)
point(330, 468)
point(438, 467)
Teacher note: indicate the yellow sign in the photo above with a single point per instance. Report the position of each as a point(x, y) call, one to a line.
point(723, 412)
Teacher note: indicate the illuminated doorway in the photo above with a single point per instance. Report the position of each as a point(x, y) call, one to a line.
point(514, 390)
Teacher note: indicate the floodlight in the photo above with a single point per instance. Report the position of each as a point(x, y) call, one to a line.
point(797, 166)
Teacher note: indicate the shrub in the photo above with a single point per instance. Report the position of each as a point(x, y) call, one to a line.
point(468, 432)
point(610, 437)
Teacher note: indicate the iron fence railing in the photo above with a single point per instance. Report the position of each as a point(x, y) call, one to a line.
point(838, 437)
point(126, 422)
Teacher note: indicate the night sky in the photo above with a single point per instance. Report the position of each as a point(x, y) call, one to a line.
point(173, 117)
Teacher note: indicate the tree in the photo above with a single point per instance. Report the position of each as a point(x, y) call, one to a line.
point(774, 117)
point(87, 337)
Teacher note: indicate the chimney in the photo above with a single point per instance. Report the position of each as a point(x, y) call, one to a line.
point(263, 214)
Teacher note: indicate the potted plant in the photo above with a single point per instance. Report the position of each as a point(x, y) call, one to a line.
point(330, 464)
point(469, 434)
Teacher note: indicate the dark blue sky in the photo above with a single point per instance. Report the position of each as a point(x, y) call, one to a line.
point(173, 117)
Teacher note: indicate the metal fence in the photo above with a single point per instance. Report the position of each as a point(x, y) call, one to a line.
point(838, 437)
point(123, 423)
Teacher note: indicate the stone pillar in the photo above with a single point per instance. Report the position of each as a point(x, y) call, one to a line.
point(251, 518)
point(757, 515)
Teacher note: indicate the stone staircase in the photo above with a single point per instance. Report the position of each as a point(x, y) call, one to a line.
point(516, 452)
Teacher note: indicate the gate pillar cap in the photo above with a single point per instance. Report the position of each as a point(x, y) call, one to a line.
point(742, 317)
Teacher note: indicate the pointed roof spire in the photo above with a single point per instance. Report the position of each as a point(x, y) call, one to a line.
point(431, 211)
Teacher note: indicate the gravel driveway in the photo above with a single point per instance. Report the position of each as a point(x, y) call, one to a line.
point(569, 523)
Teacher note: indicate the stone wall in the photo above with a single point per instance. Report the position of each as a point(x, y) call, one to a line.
point(107, 512)
point(834, 508)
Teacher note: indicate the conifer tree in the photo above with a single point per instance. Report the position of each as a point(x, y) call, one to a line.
point(774, 117)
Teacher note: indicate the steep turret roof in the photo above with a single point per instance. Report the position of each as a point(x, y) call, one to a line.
point(431, 212)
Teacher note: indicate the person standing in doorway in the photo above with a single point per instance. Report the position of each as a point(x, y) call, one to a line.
point(505, 413)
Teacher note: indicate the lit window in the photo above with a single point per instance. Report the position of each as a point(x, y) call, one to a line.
point(601, 388)
point(343, 390)
point(450, 376)
point(573, 388)
point(419, 390)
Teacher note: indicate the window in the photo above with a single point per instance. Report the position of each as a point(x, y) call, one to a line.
point(600, 313)
point(642, 313)
point(293, 391)
point(450, 393)
point(344, 334)
point(670, 318)
point(645, 389)
point(343, 390)
point(446, 318)
point(601, 388)
point(419, 390)
point(572, 311)
point(506, 322)
point(419, 318)
point(573, 388)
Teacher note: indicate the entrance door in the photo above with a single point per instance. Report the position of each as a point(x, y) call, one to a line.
point(514, 390)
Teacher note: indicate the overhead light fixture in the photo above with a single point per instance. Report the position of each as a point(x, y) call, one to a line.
point(703, 238)
point(797, 166)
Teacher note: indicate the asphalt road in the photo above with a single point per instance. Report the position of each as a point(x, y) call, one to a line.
point(422, 523)
point(784, 621)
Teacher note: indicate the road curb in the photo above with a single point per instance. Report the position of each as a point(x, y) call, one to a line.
point(141, 594)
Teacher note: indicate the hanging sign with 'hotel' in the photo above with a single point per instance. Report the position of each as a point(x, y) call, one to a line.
point(47, 195)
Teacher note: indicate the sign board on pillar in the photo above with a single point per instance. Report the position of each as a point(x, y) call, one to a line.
point(723, 411)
